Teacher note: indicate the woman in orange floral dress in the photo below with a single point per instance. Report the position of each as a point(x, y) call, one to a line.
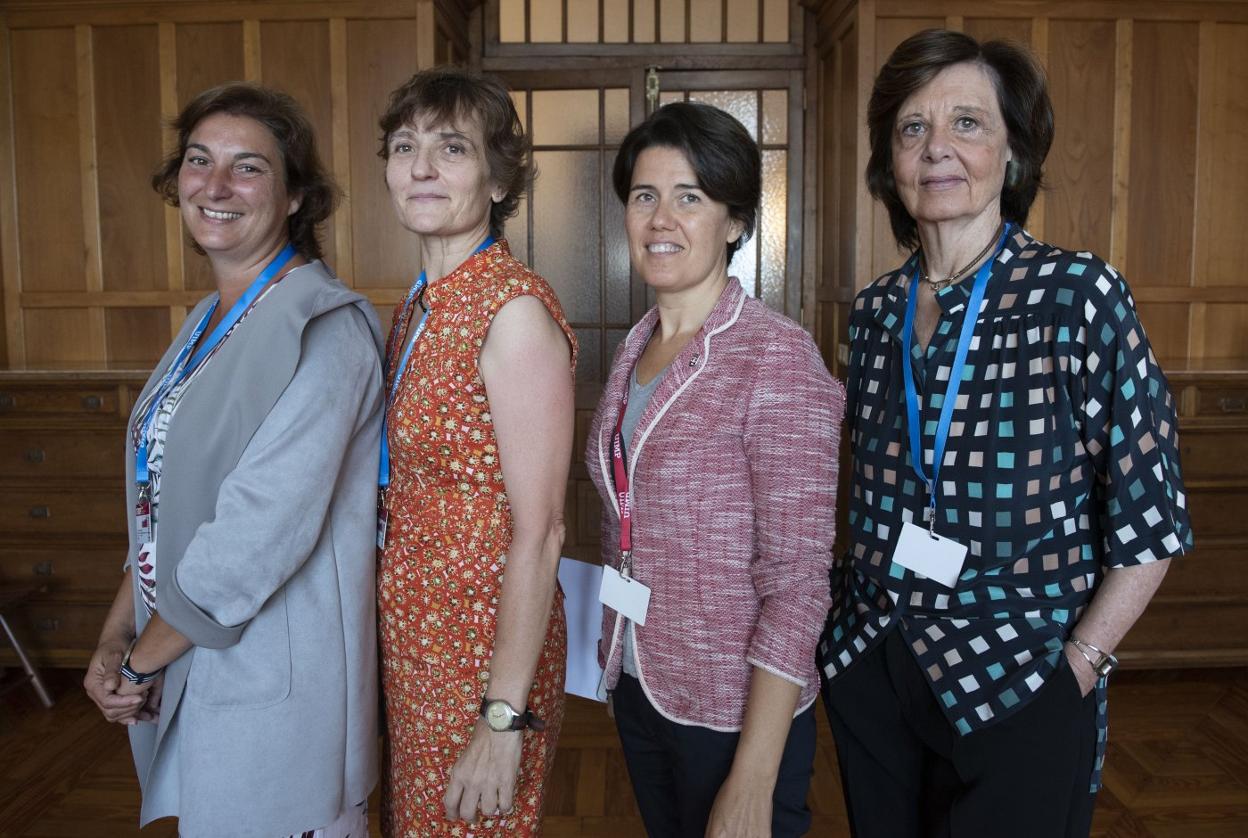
point(479, 431)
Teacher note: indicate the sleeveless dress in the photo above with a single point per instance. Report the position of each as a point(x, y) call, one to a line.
point(441, 568)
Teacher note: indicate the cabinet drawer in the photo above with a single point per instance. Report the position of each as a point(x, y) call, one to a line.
point(80, 574)
point(43, 511)
point(1222, 401)
point(54, 453)
point(56, 634)
point(36, 400)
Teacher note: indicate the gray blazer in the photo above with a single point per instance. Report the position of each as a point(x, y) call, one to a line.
point(266, 562)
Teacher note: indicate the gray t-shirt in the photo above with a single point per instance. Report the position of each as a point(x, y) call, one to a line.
point(638, 400)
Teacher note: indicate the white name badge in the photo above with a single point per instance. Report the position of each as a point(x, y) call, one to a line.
point(933, 556)
point(625, 594)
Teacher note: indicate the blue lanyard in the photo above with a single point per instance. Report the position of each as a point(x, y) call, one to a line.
point(383, 467)
point(955, 376)
point(179, 371)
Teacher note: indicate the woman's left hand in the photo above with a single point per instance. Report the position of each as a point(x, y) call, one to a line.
point(484, 777)
point(1082, 669)
point(742, 809)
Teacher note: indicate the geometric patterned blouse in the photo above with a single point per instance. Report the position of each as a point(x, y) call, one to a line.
point(1062, 461)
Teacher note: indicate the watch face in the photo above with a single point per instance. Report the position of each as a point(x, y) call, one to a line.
point(498, 715)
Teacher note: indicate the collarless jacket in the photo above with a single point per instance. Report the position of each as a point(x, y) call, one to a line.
point(733, 469)
point(265, 562)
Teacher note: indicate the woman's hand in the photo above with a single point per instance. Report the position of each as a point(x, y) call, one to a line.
point(103, 682)
point(742, 808)
point(484, 777)
point(1082, 669)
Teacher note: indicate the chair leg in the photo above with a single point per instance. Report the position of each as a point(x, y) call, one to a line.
point(31, 673)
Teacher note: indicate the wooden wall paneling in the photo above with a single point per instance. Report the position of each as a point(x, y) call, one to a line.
point(296, 58)
point(48, 177)
point(54, 337)
point(137, 337)
point(10, 264)
point(1123, 76)
point(380, 57)
point(207, 54)
point(865, 67)
point(1016, 29)
point(1166, 327)
point(850, 164)
point(1163, 145)
point(1224, 330)
point(889, 32)
point(251, 50)
point(174, 280)
point(339, 151)
point(1078, 209)
point(1040, 47)
point(127, 143)
point(87, 167)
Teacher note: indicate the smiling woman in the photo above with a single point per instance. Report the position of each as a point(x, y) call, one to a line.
point(242, 637)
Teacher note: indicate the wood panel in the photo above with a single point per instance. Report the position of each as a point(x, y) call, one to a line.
point(55, 337)
point(1163, 146)
point(1224, 197)
point(208, 54)
point(128, 149)
point(295, 57)
point(380, 57)
point(49, 210)
point(137, 336)
point(1016, 29)
point(1080, 165)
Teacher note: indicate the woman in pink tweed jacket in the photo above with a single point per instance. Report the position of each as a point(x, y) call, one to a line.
point(730, 446)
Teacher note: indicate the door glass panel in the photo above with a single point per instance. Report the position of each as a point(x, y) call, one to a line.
point(775, 116)
point(511, 21)
point(615, 21)
point(743, 20)
point(545, 21)
point(672, 22)
point(565, 229)
point(643, 21)
point(743, 104)
point(583, 21)
point(706, 20)
point(615, 247)
point(772, 231)
point(775, 20)
point(615, 107)
point(565, 117)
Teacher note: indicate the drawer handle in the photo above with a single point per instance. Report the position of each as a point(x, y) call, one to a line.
point(7, 402)
point(48, 624)
point(36, 455)
point(92, 402)
point(44, 568)
point(40, 512)
point(1233, 404)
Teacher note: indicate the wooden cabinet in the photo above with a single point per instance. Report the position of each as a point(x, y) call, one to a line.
point(62, 504)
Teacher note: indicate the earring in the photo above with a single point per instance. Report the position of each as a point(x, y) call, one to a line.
point(1013, 173)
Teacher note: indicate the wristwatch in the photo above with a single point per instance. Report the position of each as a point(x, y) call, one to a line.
point(501, 716)
point(1102, 664)
point(136, 678)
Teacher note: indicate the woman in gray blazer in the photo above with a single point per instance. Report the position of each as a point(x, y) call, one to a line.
point(241, 647)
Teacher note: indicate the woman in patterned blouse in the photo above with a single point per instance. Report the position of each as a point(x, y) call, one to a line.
point(990, 577)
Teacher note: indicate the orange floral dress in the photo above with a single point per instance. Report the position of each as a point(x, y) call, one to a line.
point(441, 569)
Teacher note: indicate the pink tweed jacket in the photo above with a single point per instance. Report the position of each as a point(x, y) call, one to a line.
point(734, 474)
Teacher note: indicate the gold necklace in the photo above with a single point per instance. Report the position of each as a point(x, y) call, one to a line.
point(941, 284)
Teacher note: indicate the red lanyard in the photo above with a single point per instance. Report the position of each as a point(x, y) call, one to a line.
point(620, 472)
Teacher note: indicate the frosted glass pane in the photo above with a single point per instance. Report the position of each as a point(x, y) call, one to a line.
point(672, 24)
point(589, 354)
point(776, 117)
point(565, 230)
point(511, 21)
point(517, 231)
point(669, 96)
point(643, 21)
point(775, 20)
point(545, 21)
point(706, 20)
point(615, 21)
point(743, 104)
point(743, 20)
point(772, 223)
point(582, 21)
point(615, 245)
point(615, 110)
point(614, 338)
point(744, 265)
point(565, 117)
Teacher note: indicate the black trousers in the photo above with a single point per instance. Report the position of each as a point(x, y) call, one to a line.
point(676, 770)
point(906, 771)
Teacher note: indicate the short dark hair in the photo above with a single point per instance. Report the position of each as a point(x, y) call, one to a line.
point(306, 177)
point(1022, 94)
point(448, 94)
point(724, 157)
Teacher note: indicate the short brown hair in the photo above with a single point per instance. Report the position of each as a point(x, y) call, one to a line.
point(1022, 94)
point(306, 176)
point(448, 94)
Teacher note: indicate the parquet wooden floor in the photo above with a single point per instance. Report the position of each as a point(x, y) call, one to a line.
point(1177, 766)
